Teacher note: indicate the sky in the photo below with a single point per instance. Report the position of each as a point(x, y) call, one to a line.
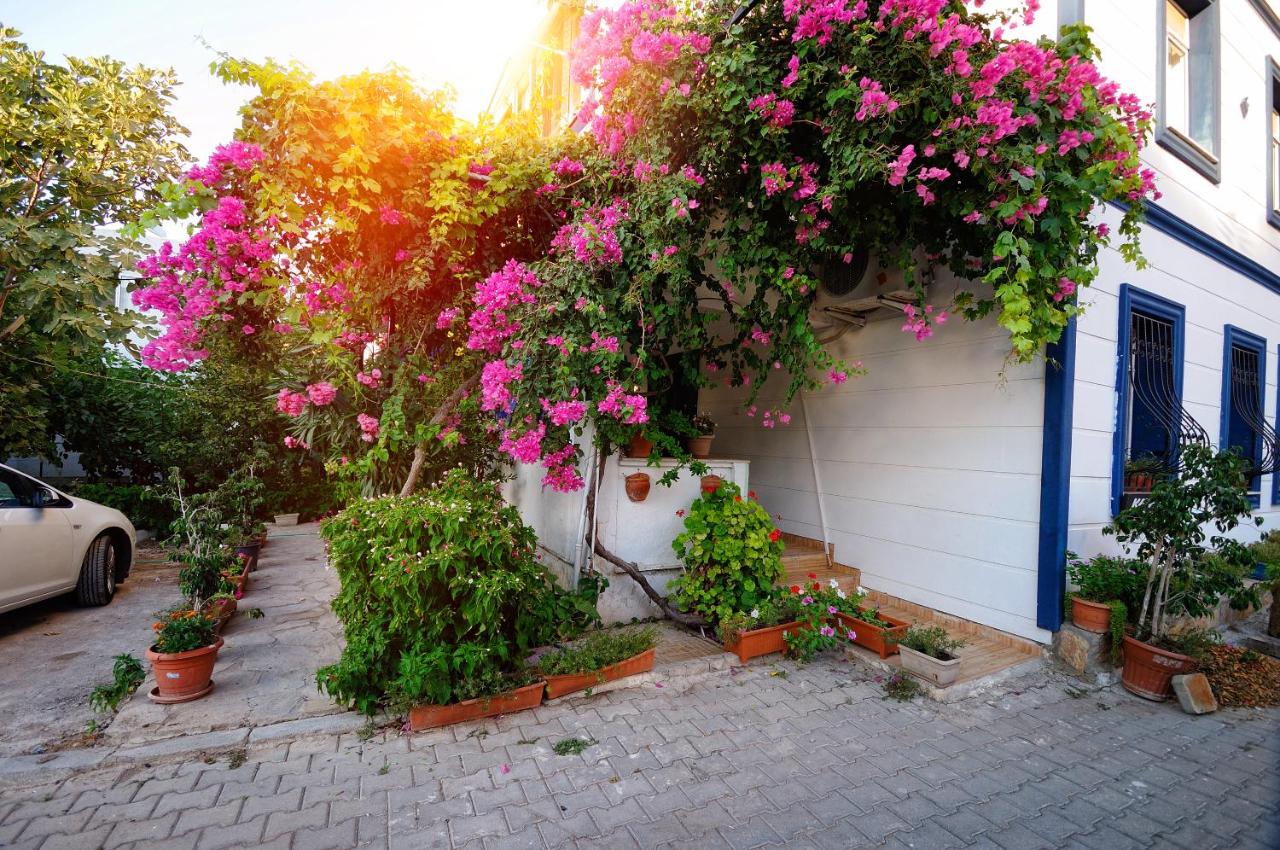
point(463, 43)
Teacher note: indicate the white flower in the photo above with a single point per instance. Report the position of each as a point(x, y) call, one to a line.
point(840, 593)
point(755, 613)
point(833, 584)
point(862, 590)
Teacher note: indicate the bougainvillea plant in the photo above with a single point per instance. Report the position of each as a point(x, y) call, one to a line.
point(729, 162)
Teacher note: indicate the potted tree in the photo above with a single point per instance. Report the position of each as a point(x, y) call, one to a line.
point(183, 655)
point(602, 656)
point(1188, 570)
point(700, 445)
point(929, 653)
point(241, 498)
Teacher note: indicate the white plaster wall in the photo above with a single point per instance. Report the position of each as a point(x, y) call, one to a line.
point(929, 468)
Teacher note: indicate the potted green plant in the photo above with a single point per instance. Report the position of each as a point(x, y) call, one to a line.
point(1188, 569)
point(483, 694)
point(1141, 473)
point(220, 607)
point(700, 445)
point(1106, 589)
point(763, 630)
point(929, 653)
point(871, 627)
point(183, 655)
point(600, 657)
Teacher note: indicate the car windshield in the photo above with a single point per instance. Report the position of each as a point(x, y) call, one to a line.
point(15, 491)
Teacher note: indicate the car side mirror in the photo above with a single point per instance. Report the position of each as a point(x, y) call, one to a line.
point(42, 497)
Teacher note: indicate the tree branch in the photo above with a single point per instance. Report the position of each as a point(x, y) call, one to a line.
point(420, 451)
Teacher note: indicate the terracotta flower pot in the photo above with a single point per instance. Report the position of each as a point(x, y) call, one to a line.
point(758, 642)
point(183, 676)
point(558, 686)
point(1149, 671)
point(875, 638)
point(700, 447)
point(639, 446)
point(637, 486)
point(1090, 616)
point(430, 716)
point(248, 552)
point(711, 483)
point(1138, 482)
point(241, 581)
point(937, 671)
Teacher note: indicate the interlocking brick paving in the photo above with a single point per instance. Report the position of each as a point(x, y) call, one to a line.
point(768, 756)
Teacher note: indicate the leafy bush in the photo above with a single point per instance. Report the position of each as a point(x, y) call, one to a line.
point(1102, 579)
point(143, 505)
point(127, 673)
point(932, 641)
point(597, 651)
point(732, 555)
point(183, 630)
point(440, 591)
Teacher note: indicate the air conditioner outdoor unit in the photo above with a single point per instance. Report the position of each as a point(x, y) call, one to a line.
point(860, 290)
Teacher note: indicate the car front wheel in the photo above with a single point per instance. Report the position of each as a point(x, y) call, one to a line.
point(98, 573)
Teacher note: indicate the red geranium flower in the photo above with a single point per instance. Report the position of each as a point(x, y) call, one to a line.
point(812, 575)
point(751, 494)
point(737, 498)
point(795, 588)
point(774, 535)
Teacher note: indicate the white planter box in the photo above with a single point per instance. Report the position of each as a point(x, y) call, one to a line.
point(935, 671)
point(286, 519)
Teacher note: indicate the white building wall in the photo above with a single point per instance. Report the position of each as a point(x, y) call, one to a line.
point(929, 468)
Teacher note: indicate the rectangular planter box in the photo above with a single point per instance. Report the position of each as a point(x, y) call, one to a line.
point(875, 638)
point(758, 642)
point(430, 716)
point(567, 683)
point(932, 670)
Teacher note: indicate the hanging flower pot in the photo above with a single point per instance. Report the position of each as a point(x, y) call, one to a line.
point(637, 487)
point(711, 483)
point(640, 446)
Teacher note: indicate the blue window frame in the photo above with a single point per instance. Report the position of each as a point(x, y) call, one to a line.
point(1244, 377)
point(1275, 474)
point(1149, 366)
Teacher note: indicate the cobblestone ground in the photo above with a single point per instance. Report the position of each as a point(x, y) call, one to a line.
point(741, 759)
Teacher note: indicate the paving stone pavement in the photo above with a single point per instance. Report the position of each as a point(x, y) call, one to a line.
point(766, 756)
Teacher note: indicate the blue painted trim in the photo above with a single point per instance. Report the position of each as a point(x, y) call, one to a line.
point(1233, 337)
point(1196, 239)
point(1275, 476)
point(1055, 479)
point(1133, 299)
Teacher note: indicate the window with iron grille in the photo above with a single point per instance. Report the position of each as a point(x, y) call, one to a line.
point(1152, 425)
point(1245, 429)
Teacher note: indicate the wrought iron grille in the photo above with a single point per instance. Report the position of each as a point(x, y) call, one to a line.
point(1246, 403)
point(1154, 403)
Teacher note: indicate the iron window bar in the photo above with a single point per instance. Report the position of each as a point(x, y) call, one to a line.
point(1151, 381)
point(1246, 401)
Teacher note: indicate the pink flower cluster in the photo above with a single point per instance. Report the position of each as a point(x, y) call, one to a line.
point(290, 403)
point(627, 409)
point(593, 237)
point(495, 380)
point(240, 156)
point(566, 167)
point(874, 100)
point(817, 19)
point(368, 427)
point(775, 178)
point(496, 299)
point(447, 317)
point(921, 322)
point(776, 111)
point(321, 393)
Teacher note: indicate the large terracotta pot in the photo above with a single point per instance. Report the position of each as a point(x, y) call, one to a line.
point(700, 447)
point(875, 638)
point(429, 716)
point(183, 676)
point(1090, 616)
point(639, 447)
point(637, 486)
point(558, 686)
point(938, 671)
point(758, 642)
point(1149, 670)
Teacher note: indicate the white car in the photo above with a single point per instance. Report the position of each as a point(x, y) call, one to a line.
point(52, 543)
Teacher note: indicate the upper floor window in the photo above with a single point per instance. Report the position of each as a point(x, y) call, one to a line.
point(1273, 142)
point(1188, 75)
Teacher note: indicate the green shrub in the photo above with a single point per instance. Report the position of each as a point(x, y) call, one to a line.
point(597, 651)
point(143, 506)
point(732, 555)
point(1102, 579)
point(127, 673)
point(932, 641)
point(440, 590)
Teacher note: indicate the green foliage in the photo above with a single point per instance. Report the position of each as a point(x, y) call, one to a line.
point(1102, 579)
point(572, 746)
point(83, 146)
point(598, 650)
point(731, 552)
point(1181, 531)
point(127, 673)
point(183, 630)
point(1194, 643)
point(439, 590)
point(1119, 620)
point(901, 688)
point(932, 641)
point(143, 504)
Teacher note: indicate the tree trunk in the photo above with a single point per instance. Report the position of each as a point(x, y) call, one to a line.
point(420, 451)
point(632, 570)
point(1273, 622)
